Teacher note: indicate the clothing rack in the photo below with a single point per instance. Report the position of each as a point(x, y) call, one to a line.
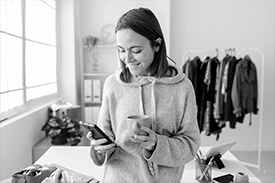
point(256, 50)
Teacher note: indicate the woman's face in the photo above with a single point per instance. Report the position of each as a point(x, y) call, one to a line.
point(135, 51)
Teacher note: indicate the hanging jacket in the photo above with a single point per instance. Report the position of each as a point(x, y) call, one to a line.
point(219, 97)
point(228, 105)
point(245, 88)
point(202, 103)
point(210, 124)
point(192, 70)
point(193, 74)
point(170, 101)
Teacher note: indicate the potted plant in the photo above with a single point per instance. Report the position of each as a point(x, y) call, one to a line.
point(61, 128)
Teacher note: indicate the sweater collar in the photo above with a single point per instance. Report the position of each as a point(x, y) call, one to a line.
point(143, 80)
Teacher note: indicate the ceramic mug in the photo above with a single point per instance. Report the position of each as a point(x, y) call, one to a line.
point(134, 123)
point(241, 177)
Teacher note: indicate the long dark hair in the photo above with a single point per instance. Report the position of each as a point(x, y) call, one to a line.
point(144, 22)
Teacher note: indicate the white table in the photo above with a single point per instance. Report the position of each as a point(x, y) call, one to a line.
point(77, 158)
point(231, 163)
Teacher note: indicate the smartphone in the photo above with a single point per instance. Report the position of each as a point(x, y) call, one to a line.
point(224, 178)
point(97, 132)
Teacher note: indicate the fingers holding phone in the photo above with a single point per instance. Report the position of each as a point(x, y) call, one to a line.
point(101, 145)
point(99, 141)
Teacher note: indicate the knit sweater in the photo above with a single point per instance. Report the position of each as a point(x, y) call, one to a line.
point(170, 102)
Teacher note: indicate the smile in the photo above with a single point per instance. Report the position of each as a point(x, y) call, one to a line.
point(133, 66)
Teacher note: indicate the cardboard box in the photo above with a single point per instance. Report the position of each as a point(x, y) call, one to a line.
point(73, 112)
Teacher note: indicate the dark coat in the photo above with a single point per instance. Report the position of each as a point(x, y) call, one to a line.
point(245, 88)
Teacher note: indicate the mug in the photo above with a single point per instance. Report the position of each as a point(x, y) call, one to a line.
point(241, 177)
point(135, 122)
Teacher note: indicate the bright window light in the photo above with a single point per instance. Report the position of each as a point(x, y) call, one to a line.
point(28, 55)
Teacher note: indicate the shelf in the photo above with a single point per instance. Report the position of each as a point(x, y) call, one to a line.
point(93, 104)
point(112, 46)
point(93, 88)
point(95, 69)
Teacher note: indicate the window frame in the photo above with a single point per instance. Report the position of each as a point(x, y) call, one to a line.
point(41, 101)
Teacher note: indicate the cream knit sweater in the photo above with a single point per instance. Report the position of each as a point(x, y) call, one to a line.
point(170, 101)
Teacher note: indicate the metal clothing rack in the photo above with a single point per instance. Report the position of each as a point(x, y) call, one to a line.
point(258, 165)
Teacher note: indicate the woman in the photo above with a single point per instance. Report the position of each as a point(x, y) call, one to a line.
point(146, 83)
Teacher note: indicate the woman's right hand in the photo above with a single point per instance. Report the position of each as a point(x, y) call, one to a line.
point(98, 144)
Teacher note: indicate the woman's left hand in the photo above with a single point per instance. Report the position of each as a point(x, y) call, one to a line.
point(146, 141)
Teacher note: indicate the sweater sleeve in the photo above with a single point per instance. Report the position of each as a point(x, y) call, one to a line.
point(100, 159)
point(235, 94)
point(182, 147)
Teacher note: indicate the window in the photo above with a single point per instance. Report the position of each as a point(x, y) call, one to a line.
point(28, 55)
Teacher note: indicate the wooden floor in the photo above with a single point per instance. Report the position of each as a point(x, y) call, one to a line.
point(267, 168)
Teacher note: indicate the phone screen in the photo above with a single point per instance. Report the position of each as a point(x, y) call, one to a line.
point(96, 131)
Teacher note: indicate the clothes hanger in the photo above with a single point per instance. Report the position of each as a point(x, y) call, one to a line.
point(217, 52)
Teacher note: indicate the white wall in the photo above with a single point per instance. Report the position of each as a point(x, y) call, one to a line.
point(94, 14)
point(17, 137)
point(67, 69)
point(211, 24)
